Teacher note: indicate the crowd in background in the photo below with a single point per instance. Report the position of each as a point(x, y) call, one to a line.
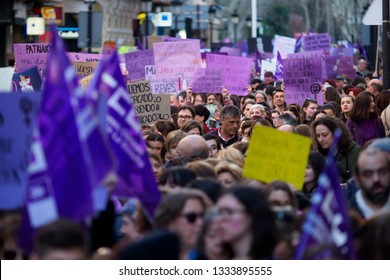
point(209, 210)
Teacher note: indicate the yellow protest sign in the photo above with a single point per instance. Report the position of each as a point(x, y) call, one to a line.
point(276, 155)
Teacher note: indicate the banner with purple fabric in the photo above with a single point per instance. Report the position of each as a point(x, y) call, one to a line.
point(258, 59)
point(59, 183)
point(298, 43)
point(279, 67)
point(136, 178)
point(326, 232)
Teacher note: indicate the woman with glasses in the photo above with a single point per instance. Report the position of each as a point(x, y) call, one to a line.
point(364, 124)
point(246, 223)
point(182, 212)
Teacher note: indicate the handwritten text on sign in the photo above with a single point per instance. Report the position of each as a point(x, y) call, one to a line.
point(29, 55)
point(177, 59)
point(235, 71)
point(85, 68)
point(150, 107)
point(316, 42)
point(160, 85)
point(279, 159)
point(207, 80)
point(303, 78)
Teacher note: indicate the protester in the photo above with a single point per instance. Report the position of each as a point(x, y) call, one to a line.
point(228, 174)
point(313, 170)
point(184, 115)
point(213, 143)
point(346, 107)
point(155, 142)
point(347, 152)
point(309, 107)
point(364, 124)
point(278, 100)
point(193, 128)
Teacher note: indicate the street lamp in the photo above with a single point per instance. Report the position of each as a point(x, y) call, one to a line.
point(147, 8)
point(89, 31)
point(212, 13)
point(235, 20)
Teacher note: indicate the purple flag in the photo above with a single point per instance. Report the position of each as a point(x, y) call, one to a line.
point(59, 183)
point(136, 178)
point(279, 67)
point(327, 222)
point(298, 43)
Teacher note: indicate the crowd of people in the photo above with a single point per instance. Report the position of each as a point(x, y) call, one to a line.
point(209, 210)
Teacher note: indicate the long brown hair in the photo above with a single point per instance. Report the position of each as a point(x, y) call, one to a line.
point(361, 107)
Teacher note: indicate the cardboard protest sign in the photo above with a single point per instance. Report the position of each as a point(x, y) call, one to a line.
point(84, 68)
point(18, 113)
point(276, 155)
point(29, 55)
point(160, 85)
point(6, 74)
point(283, 45)
point(207, 80)
point(27, 81)
point(84, 57)
point(177, 59)
point(317, 42)
point(303, 76)
point(235, 71)
point(149, 107)
point(136, 61)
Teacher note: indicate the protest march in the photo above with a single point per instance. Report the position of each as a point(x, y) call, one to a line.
point(172, 152)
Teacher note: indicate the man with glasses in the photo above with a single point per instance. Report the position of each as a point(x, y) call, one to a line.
point(184, 115)
point(230, 123)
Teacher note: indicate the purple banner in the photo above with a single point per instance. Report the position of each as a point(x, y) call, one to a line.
point(136, 178)
point(18, 116)
point(207, 80)
point(235, 71)
point(303, 78)
point(29, 55)
point(340, 61)
point(177, 59)
point(327, 222)
point(136, 62)
point(231, 51)
point(317, 42)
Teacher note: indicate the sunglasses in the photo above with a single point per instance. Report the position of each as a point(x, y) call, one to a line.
point(192, 217)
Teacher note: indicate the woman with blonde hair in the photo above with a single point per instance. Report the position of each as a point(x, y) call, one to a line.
point(228, 174)
point(232, 155)
point(257, 110)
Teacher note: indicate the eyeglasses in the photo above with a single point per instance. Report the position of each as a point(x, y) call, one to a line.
point(228, 212)
point(192, 217)
point(184, 117)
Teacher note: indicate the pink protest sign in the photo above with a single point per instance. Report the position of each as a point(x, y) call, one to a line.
point(207, 80)
point(177, 59)
point(235, 71)
point(84, 57)
point(30, 55)
point(303, 77)
point(136, 62)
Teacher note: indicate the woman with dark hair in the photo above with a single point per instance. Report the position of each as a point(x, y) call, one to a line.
point(247, 223)
point(164, 127)
point(317, 115)
point(314, 168)
point(347, 150)
point(346, 107)
point(331, 94)
point(193, 127)
point(199, 99)
point(364, 124)
point(295, 110)
point(182, 212)
point(261, 122)
point(309, 107)
point(214, 144)
point(383, 109)
point(176, 177)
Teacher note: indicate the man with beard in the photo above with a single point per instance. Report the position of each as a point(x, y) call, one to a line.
point(373, 177)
